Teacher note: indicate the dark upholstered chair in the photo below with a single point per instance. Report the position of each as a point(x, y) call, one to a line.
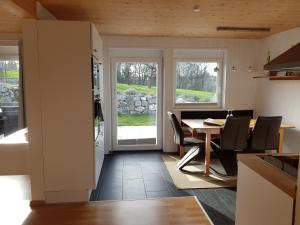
point(179, 138)
point(234, 138)
point(265, 134)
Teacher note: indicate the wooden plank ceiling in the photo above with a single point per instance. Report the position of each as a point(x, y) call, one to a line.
point(176, 17)
point(13, 11)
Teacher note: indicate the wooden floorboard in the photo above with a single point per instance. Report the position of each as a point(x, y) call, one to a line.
point(181, 210)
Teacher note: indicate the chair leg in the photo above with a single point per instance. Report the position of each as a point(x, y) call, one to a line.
point(181, 151)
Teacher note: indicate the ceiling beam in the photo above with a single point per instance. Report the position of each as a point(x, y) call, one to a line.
point(20, 8)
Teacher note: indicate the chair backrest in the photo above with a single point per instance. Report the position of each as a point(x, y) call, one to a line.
point(178, 133)
point(265, 134)
point(235, 133)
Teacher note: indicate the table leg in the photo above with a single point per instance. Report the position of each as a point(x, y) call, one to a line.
point(207, 153)
point(281, 140)
point(194, 133)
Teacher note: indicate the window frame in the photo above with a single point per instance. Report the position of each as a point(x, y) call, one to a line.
point(219, 103)
point(159, 113)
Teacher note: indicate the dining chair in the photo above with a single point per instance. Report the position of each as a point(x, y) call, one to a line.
point(234, 138)
point(265, 134)
point(179, 138)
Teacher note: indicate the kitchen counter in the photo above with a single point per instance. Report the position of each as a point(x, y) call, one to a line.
point(14, 153)
point(272, 173)
point(266, 189)
point(18, 137)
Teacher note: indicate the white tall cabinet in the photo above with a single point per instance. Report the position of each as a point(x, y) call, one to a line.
point(59, 108)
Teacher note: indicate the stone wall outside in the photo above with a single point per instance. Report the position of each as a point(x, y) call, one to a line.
point(135, 103)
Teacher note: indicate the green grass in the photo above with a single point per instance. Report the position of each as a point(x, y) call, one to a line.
point(136, 120)
point(198, 96)
point(138, 88)
point(11, 74)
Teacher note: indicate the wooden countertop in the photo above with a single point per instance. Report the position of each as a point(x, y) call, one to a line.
point(274, 175)
point(18, 137)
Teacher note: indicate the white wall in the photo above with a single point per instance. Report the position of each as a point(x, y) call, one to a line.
point(281, 97)
point(239, 90)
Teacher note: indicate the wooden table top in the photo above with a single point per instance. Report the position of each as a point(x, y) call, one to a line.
point(198, 124)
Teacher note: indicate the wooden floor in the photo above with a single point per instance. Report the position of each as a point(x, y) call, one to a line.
point(14, 199)
point(15, 209)
point(165, 211)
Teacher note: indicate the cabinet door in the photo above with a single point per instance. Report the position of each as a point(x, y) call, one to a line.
point(259, 202)
point(67, 104)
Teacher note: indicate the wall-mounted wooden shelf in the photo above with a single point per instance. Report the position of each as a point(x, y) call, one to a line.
point(285, 78)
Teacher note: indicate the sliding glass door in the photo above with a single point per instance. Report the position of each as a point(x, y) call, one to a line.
point(136, 103)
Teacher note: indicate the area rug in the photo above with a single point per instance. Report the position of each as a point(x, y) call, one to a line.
point(193, 176)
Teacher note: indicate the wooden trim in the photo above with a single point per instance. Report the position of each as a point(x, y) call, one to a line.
point(36, 203)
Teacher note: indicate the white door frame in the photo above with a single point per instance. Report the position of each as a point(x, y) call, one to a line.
point(159, 85)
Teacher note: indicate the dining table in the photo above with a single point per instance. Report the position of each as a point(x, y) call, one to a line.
point(199, 126)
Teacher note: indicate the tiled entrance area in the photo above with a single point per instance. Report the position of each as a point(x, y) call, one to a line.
point(142, 175)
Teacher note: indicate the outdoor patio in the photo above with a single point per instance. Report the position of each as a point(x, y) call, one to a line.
point(136, 132)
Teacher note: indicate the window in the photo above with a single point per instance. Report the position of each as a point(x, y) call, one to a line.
point(9, 82)
point(10, 93)
point(198, 82)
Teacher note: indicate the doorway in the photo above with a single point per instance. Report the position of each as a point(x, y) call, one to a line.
point(137, 103)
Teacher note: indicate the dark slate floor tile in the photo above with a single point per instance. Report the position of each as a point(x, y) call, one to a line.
point(132, 171)
point(115, 165)
point(133, 189)
point(152, 168)
point(94, 195)
point(113, 193)
point(156, 184)
point(158, 194)
point(110, 183)
point(152, 176)
point(140, 175)
point(219, 201)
